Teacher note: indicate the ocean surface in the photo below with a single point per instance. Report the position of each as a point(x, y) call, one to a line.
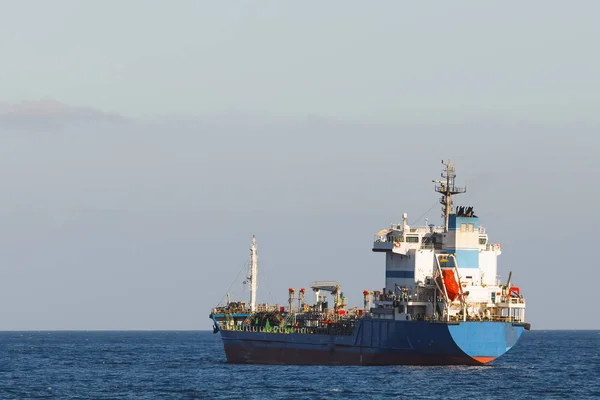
point(192, 365)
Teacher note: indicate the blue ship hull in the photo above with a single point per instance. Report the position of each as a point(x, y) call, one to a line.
point(378, 342)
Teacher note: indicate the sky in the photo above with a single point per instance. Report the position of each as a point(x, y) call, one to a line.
point(386, 61)
point(311, 125)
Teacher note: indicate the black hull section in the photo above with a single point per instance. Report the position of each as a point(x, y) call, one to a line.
point(244, 354)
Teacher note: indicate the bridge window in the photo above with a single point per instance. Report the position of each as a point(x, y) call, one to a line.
point(463, 227)
point(471, 228)
point(482, 241)
point(412, 239)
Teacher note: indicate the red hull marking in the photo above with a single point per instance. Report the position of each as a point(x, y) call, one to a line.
point(484, 360)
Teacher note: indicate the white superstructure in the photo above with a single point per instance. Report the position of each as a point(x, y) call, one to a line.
point(457, 259)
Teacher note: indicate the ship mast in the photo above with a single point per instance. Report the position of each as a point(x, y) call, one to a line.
point(446, 188)
point(253, 274)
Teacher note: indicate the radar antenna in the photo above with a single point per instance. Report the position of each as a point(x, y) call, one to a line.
point(447, 189)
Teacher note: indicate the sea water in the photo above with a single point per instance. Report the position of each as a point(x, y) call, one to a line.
point(192, 365)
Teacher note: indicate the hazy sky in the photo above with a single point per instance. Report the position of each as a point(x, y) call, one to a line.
point(382, 61)
point(310, 124)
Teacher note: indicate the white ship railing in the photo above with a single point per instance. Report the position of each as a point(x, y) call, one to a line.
point(425, 229)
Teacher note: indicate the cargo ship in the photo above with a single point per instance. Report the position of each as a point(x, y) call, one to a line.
point(443, 303)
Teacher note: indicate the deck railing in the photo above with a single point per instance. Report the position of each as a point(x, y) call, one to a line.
point(290, 329)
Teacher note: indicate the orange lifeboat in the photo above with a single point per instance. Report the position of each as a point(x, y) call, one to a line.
point(450, 283)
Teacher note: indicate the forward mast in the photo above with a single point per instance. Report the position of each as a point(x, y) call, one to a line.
point(252, 279)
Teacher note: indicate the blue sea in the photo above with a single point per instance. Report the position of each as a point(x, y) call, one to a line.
point(192, 365)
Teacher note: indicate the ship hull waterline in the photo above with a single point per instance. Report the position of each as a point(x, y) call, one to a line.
point(378, 342)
